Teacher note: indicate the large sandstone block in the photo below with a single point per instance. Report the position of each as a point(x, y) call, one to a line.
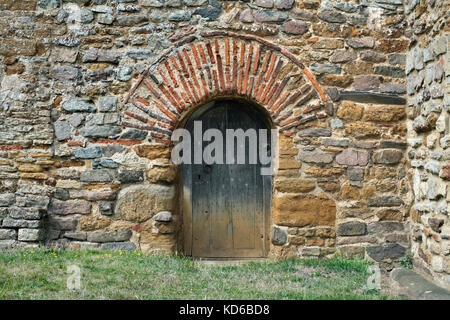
point(162, 174)
point(153, 152)
point(91, 223)
point(350, 111)
point(304, 210)
point(384, 113)
point(139, 203)
point(294, 185)
point(151, 242)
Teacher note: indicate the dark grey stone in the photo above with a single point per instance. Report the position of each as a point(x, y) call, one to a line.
point(210, 13)
point(99, 74)
point(49, 4)
point(104, 163)
point(140, 54)
point(111, 149)
point(118, 246)
point(386, 201)
point(315, 156)
point(325, 68)
point(86, 15)
point(79, 105)
point(417, 286)
point(397, 58)
point(64, 73)
point(62, 223)
point(128, 176)
point(180, 15)
point(387, 156)
point(332, 16)
point(396, 88)
point(270, 16)
point(369, 97)
point(314, 132)
point(352, 228)
point(284, 4)
point(335, 142)
point(67, 41)
point(101, 175)
point(131, 20)
point(389, 71)
point(393, 144)
point(355, 173)
point(346, 7)
point(333, 93)
point(134, 134)
point(107, 104)
point(100, 131)
point(87, 153)
point(105, 207)
point(81, 236)
point(124, 73)
point(366, 83)
point(383, 227)
point(390, 251)
point(372, 56)
point(61, 194)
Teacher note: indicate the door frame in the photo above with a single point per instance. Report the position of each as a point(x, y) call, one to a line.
point(185, 185)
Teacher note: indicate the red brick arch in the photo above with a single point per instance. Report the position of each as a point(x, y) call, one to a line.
point(213, 64)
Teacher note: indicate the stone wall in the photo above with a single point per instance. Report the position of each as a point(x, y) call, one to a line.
point(428, 69)
point(83, 166)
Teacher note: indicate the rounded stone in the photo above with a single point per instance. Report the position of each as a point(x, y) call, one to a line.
point(295, 27)
point(279, 236)
point(163, 216)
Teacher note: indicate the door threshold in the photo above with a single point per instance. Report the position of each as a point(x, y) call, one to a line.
point(227, 261)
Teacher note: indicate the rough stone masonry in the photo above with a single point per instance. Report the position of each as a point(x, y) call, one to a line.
point(90, 91)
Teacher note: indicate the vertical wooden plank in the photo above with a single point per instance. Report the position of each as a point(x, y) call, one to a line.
point(222, 230)
point(187, 208)
point(242, 184)
point(200, 202)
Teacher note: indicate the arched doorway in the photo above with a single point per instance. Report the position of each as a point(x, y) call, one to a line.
point(226, 207)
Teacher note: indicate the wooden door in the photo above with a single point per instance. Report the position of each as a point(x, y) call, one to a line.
point(227, 205)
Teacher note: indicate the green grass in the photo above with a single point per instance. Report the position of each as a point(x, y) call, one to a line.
point(42, 274)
